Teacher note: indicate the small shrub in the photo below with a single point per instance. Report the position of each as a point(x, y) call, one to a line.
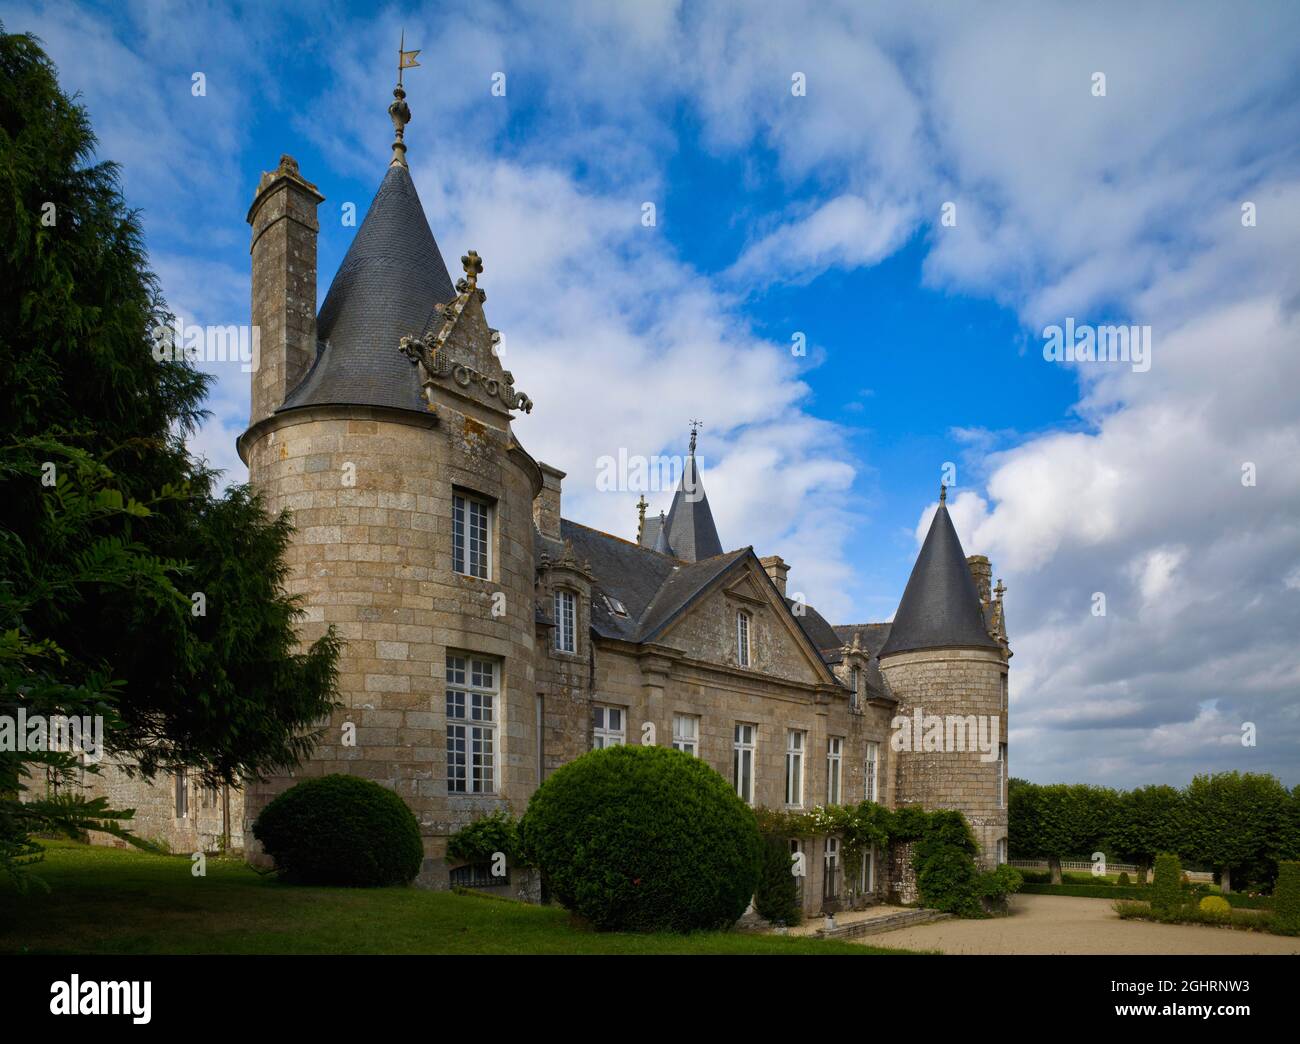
point(994, 886)
point(1286, 899)
point(481, 840)
point(777, 896)
point(1215, 907)
point(341, 830)
point(1167, 891)
point(644, 839)
point(946, 879)
point(1123, 880)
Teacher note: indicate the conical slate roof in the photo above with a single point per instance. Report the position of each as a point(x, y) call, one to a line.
point(386, 288)
point(940, 606)
point(692, 533)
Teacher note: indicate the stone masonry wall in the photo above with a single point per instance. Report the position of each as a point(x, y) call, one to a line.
point(958, 683)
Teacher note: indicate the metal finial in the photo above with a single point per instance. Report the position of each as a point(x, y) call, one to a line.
point(695, 428)
point(943, 493)
point(399, 111)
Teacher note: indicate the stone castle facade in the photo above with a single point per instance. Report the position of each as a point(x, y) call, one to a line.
point(489, 639)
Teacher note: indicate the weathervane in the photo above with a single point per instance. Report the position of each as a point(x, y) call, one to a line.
point(399, 110)
point(695, 427)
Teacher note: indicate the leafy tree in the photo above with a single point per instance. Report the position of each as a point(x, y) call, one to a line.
point(1231, 821)
point(1057, 821)
point(1146, 820)
point(108, 527)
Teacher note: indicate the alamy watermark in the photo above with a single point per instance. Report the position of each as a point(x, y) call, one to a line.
point(36, 733)
point(212, 344)
point(1084, 343)
point(947, 734)
point(636, 473)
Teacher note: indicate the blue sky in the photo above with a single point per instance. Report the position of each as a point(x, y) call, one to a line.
point(819, 213)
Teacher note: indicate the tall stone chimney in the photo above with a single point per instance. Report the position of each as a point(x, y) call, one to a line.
point(777, 570)
point(546, 505)
point(982, 573)
point(283, 216)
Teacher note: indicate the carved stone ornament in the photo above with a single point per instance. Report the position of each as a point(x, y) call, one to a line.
point(437, 366)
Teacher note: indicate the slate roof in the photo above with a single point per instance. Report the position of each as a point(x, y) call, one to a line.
point(940, 607)
point(386, 287)
point(654, 588)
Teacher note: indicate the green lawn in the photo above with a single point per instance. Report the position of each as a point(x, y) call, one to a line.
point(108, 900)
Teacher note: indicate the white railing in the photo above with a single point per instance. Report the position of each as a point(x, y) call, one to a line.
point(1082, 865)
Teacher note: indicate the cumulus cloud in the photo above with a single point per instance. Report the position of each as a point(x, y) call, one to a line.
point(1123, 207)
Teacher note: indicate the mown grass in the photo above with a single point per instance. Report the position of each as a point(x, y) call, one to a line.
point(112, 901)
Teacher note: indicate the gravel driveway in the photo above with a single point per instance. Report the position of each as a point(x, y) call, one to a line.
point(1063, 924)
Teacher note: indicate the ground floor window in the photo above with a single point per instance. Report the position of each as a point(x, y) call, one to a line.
point(797, 867)
point(867, 873)
point(830, 880)
point(686, 734)
point(608, 727)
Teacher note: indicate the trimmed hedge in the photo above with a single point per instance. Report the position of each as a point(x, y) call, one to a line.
point(1286, 899)
point(341, 830)
point(777, 896)
point(644, 839)
point(1167, 888)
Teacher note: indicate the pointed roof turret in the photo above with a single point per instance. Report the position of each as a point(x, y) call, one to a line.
point(691, 530)
point(386, 288)
point(940, 606)
point(661, 538)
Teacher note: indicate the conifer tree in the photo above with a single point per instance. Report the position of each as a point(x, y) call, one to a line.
point(109, 528)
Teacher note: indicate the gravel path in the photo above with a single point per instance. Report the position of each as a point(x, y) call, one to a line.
point(1064, 924)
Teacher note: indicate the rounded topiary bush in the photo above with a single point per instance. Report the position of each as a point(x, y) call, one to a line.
point(341, 830)
point(1215, 906)
point(643, 839)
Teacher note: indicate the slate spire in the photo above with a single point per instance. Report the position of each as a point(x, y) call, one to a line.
point(940, 606)
point(386, 289)
point(691, 530)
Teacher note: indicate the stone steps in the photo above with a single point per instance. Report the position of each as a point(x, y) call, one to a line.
point(875, 925)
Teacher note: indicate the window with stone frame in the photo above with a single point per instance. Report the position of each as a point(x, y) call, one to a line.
point(742, 763)
point(742, 638)
point(471, 535)
point(831, 876)
point(867, 872)
point(1002, 850)
point(834, 769)
point(871, 771)
point(181, 777)
point(473, 695)
point(686, 734)
point(855, 683)
point(608, 726)
point(566, 618)
point(795, 743)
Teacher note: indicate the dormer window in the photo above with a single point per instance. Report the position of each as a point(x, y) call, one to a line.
point(742, 638)
point(855, 683)
point(565, 621)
